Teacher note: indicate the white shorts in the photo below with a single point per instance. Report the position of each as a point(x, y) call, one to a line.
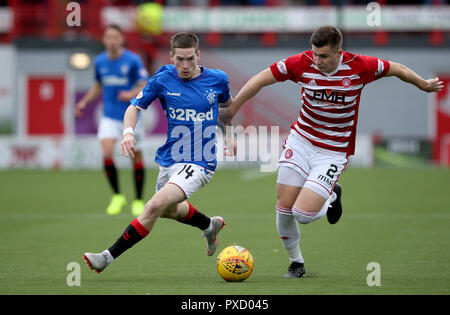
point(303, 165)
point(189, 177)
point(112, 129)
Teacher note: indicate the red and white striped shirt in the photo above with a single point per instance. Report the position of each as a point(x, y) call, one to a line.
point(330, 101)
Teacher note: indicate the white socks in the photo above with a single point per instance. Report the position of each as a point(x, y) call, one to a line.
point(289, 233)
point(209, 228)
point(288, 227)
point(108, 256)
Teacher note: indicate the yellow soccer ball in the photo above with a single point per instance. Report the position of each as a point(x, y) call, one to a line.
point(235, 263)
point(149, 18)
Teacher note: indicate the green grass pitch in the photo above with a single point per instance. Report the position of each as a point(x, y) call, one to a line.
point(399, 218)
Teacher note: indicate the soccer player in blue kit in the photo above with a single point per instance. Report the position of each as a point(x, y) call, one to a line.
point(190, 96)
point(119, 76)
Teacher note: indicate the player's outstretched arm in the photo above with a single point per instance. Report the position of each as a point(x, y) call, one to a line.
point(91, 95)
point(405, 74)
point(129, 123)
point(250, 89)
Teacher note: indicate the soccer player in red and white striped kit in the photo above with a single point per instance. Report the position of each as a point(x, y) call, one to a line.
point(323, 137)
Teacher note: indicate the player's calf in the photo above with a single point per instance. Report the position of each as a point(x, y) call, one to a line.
point(310, 206)
point(195, 218)
point(134, 233)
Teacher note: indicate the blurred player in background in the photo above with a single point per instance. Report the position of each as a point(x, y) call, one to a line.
point(190, 96)
point(323, 137)
point(119, 76)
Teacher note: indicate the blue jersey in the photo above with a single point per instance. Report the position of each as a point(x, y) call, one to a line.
point(115, 75)
point(191, 108)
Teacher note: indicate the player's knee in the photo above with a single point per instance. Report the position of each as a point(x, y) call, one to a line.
point(108, 154)
point(303, 217)
point(138, 156)
point(155, 207)
point(108, 150)
point(170, 212)
point(285, 204)
point(286, 195)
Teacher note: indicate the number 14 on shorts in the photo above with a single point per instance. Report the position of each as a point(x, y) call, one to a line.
point(187, 168)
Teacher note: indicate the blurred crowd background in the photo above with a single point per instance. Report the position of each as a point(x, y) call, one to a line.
point(46, 54)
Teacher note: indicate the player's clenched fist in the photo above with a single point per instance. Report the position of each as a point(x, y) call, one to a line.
point(127, 145)
point(433, 85)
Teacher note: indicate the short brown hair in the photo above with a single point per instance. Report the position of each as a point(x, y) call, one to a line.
point(184, 40)
point(327, 35)
point(114, 27)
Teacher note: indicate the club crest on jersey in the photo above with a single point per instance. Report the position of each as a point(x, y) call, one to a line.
point(210, 96)
point(288, 154)
point(124, 69)
point(346, 82)
point(281, 65)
